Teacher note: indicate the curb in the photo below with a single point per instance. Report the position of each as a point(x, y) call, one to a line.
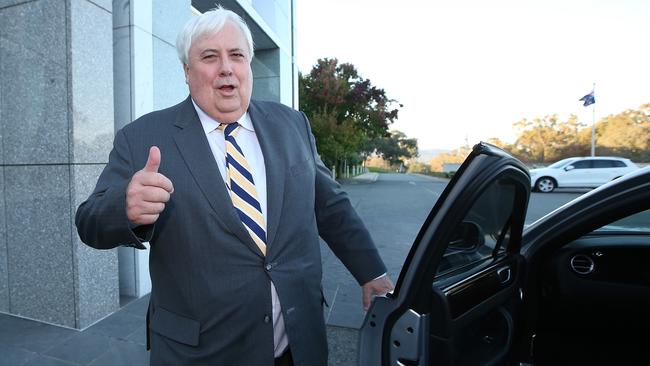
point(368, 177)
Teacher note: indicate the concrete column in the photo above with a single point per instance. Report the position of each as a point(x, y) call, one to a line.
point(266, 75)
point(148, 76)
point(272, 76)
point(56, 117)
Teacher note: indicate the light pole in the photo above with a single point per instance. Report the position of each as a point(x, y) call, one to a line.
point(590, 99)
point(593, 130)
point(593, 121)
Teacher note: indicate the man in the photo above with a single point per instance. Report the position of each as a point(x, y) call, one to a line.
point(231, 196)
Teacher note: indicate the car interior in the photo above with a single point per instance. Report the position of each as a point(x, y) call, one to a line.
point(586, 290)
point(593, 297)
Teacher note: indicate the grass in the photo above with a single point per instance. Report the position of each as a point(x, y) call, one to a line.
point(436, 174)
point(432, 174)
point(441, 174)
point(373, 169)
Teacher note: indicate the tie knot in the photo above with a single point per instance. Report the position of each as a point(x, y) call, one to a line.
point(229, 128)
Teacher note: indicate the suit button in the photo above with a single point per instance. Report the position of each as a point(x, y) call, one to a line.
point(268, 267)
point(267, 318)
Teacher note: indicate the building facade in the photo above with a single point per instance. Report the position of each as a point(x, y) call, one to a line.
point(73, 72)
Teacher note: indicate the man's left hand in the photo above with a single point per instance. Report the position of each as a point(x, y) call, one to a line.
point(377, 287)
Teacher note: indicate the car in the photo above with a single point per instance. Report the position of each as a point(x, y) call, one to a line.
point(581, 172)
point(477, 288)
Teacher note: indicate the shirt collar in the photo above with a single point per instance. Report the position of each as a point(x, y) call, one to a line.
point(210, 124)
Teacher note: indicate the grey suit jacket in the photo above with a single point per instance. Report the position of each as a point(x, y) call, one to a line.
point(211, 298)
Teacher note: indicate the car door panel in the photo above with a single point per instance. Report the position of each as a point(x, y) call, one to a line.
point(596, 296)
point(458, 290)
point(598, 176)
point(469, 293)
point(578, 174)
point(604, 275)
point(588, 264)
point(482, 309)
point(467, 322)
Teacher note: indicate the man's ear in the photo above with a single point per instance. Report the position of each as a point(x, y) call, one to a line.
point(186, 70)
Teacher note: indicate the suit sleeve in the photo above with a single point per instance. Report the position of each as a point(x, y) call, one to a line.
point(340, 225)
point(101, 220)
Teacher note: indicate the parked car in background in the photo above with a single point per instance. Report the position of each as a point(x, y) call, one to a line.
point(477, 288)
point(580, 172)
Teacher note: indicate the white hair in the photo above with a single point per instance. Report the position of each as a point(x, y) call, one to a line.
point(208, 23)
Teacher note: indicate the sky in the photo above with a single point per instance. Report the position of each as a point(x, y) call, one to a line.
point(466, 70)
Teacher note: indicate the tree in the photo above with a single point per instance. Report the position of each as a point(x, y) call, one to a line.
point(419, 167)
point(497, 142)
point(345, 110)
point(395, 148)
point(453, 157)
point(546, 139)
point(625, 134)
point(336, 142)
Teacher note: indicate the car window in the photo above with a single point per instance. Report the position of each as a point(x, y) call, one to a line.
point(483, 232)
point(604, 163)
point(618, 164)
point(561, 163)
point(582, 164)
point(636, 223)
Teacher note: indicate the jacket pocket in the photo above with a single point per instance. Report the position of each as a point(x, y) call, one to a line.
point(175, 327)
point(301, 167)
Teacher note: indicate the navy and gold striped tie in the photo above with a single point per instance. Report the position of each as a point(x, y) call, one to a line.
point(242, 187)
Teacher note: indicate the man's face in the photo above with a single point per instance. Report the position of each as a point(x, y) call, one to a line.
point(219, 75)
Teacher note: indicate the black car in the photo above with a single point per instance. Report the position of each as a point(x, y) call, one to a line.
point(479, 289)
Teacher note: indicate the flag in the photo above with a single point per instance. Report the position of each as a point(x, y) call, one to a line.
point(588, 99)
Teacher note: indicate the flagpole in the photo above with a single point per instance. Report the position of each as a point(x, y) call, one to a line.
point(593, 124)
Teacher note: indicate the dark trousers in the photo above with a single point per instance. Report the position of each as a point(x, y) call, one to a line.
point(285, 359)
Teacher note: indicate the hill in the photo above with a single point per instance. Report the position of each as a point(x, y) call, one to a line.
point(426, 155)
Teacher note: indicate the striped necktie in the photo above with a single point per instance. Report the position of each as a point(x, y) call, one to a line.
point(242, 187)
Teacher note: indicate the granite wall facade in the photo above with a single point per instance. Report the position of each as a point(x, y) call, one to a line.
point(57, 128)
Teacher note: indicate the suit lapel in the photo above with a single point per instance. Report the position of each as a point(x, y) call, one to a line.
point(195, 150)
point(269, 134)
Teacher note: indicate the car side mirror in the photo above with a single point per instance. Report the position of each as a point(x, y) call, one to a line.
point(569, 167)
point(466, 237)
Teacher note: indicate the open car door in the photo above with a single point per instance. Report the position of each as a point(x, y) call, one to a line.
point(458, 300)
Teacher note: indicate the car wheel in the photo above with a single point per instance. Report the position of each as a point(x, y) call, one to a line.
point(545, 184)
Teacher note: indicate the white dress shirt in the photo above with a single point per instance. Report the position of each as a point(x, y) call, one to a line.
point(248, 142)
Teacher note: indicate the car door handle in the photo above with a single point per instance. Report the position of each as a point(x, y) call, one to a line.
point(504, 274)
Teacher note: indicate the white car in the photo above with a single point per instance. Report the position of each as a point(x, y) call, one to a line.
point(580, 172)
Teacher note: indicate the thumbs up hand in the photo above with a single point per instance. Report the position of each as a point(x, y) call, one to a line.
point(148, 191)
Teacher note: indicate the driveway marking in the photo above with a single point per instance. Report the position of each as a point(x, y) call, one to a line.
point(331, 307)
point(434, 193)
